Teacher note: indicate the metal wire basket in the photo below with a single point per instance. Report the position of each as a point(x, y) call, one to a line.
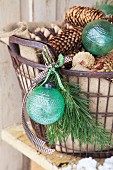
point(26, 72)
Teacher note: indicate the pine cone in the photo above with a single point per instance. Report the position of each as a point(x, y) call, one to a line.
point(110, 19)
point(80, 16)
point(68, 41)
point(104, 63)
point(84, 58)
point(45, 33)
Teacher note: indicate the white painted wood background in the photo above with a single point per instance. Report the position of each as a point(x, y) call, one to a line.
point(10, 95)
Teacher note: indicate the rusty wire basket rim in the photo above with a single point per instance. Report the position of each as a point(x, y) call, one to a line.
point(39, 44)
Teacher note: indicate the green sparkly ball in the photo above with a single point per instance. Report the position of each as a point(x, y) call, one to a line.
point(45, 105)
point(97, 37)
point(107, 9)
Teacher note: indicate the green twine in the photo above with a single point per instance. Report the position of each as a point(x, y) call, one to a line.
point(52, 70)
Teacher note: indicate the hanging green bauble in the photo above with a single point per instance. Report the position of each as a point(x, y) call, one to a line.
point(97, 37)
point(45, 104)
point(107, 9)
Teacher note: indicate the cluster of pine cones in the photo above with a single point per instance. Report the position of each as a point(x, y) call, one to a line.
point(67, 39)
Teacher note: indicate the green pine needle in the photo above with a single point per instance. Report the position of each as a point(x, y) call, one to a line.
point(78, 121)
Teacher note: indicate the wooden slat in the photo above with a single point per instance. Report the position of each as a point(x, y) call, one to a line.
point(8, 81)
point(79, 2)
point(24, 8)
point(61, 8)
point(9, 11)
point(48, 10)
point(63, 5)
point(44, 10)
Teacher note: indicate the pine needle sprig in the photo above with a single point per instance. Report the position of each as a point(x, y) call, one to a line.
point(77, 120)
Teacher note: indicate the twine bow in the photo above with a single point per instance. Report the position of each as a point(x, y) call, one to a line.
point(51, 68)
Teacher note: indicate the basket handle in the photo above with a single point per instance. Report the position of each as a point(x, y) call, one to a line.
point(13, 40)
point(32, 137)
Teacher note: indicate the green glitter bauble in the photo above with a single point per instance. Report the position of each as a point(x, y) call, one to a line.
point(45, 105)
point(97, 37)
point(107, 9)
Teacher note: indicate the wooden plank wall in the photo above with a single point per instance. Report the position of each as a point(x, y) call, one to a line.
point(63, 5)
point(10, 95)
point(50, 10)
